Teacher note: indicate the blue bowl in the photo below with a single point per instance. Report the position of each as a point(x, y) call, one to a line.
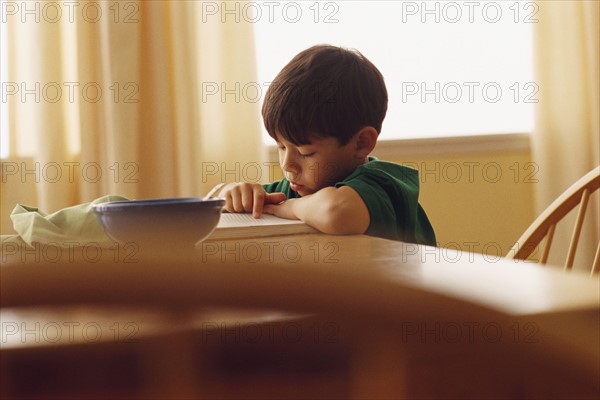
point(174, 223)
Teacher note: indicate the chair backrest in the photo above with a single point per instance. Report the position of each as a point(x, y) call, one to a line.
point(545, 225)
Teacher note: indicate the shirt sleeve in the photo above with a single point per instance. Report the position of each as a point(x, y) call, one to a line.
point(272, 187)
point(394, 209)
point(377, 192)
point(282, 186)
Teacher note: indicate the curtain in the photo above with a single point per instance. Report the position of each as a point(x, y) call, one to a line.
point(566, 143)
point(143, 99)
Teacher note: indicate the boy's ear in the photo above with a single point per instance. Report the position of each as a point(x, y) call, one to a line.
point(365, 141)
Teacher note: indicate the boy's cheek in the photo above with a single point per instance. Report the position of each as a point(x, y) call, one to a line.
point(323, 174)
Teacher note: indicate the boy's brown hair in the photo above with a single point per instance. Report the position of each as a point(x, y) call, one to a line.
point(325, 91)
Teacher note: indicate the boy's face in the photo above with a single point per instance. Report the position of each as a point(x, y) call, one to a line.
point(319, 164)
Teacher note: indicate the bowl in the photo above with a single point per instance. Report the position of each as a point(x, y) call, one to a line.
point(175, 223)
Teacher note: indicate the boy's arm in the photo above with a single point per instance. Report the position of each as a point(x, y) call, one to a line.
point(331, 210)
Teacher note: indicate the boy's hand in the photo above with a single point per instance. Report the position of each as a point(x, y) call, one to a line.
point(249, 197)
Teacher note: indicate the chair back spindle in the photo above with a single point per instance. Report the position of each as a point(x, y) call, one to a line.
point(545, 225)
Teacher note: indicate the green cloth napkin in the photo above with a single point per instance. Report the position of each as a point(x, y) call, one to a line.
point(72, 224)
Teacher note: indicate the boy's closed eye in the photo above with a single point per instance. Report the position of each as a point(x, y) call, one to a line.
point(304, 154)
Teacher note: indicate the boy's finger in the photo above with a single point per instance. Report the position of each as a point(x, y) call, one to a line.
point(259, 199)
point(229, 202)
point(247, 199)
point(274, 198)
point(236, 201)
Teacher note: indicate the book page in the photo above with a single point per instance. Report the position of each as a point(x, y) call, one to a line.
point(244, 225)
point(246, 219)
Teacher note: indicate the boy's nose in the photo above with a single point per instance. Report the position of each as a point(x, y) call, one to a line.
point(291, 171)
point(290, 168)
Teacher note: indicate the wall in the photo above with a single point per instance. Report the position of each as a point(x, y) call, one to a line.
point(476, 202)
point(477, 191)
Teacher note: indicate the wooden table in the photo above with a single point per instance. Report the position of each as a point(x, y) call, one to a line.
point(296, 317)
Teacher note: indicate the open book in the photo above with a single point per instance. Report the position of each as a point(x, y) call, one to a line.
point(243, 226)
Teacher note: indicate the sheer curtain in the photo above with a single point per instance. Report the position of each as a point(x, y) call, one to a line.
point(143, 99)
point(566, 143)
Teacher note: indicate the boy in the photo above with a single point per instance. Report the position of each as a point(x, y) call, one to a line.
point(325, 110)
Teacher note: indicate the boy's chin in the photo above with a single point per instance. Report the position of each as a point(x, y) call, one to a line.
point(304, 191)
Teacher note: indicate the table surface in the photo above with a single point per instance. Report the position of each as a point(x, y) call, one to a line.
point(298, 273)
point(335, 262)
point(86, 294)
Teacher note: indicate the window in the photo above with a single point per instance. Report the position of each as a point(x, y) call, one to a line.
point(451, 68)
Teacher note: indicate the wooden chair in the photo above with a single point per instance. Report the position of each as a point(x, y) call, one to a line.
point(545, 225)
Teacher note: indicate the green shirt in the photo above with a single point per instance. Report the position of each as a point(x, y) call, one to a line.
point(391, 193)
